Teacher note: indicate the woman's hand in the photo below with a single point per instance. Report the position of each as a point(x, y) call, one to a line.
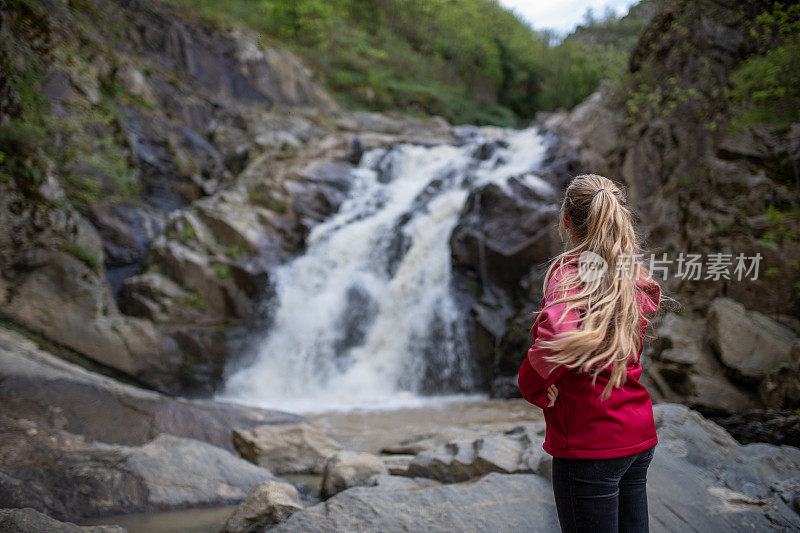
point(552, 394)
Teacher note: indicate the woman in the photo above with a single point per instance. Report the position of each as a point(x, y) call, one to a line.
point(583, 369)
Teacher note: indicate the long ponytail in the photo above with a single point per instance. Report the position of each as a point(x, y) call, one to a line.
point(610, 330)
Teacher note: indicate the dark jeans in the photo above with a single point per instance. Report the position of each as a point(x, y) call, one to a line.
point(602, 495)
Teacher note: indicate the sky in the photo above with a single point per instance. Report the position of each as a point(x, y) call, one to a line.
point(561, 15)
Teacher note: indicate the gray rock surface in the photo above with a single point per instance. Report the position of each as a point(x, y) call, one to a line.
point(461, 460)
point(39, 386)
point(701, 476)
point(54, 285)
point(266, 505)
point(682, 367)
point(700, 479)
point(495, 503)
point(285, 448)
point(781, 388)
point(178, 472)
point(31, 521)
point(749, 343)
point(69, 477)
point(347, 469)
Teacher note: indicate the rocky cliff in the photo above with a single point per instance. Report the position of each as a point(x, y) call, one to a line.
point(153, 170)
point(701, 183)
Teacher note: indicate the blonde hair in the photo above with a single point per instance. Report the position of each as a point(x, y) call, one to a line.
point(609, 333)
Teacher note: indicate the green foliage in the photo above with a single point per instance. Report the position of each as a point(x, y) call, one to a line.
point(238, 251)
point(195, 300)
point(470, 61)
point(264, 200)
point(90, 256)
point(782, 225)
point(187, 233)
point(223, 271)
point(84, 143)
point(766, 87)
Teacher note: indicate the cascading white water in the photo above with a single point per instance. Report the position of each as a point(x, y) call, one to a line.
point(366, 313)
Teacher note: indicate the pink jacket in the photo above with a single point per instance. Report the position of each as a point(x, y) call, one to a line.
point(579, 425)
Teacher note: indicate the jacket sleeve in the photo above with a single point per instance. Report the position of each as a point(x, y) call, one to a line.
point(536, 374)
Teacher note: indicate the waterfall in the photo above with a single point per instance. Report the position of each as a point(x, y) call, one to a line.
point(365, 317)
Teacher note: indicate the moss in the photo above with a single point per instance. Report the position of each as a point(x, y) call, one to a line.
point(264, 200)
point(238, 251)
point(222, 271)
point(183, 232)
point(88, 255)
point(187, 233)
point(194, 300)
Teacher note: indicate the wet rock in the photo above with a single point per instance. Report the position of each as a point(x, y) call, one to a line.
point(748, 343)
point(496, 502)
point(319, 191)
point(31, 521)
point(505, 387)
point(781, 388)
point(500, 235)
point(285, 449)
point(177, 471)
point(420, 444)
point(69, 477)
point(699, 474)
point(267, 504)
point(769, 426)
point(38, 386)
point(349, 469)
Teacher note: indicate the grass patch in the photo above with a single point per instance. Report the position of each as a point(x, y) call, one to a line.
point(88, 255)
point(222, 271)
point(195, 300)
point(239, 250)
point(264, 200)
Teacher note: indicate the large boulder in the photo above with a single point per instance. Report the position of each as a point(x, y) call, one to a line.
point(781, 388)
point(518, 450)
point(60, 293)
point(504, 231)
point(267, 504)
point(347, 469)
point(749, 343)
point(496, 502)
point(38, 386)
point(69, 477)
point(682, 367)
point(31, 521)
point(286, 448)
point(716, 482)
point(178, 472)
